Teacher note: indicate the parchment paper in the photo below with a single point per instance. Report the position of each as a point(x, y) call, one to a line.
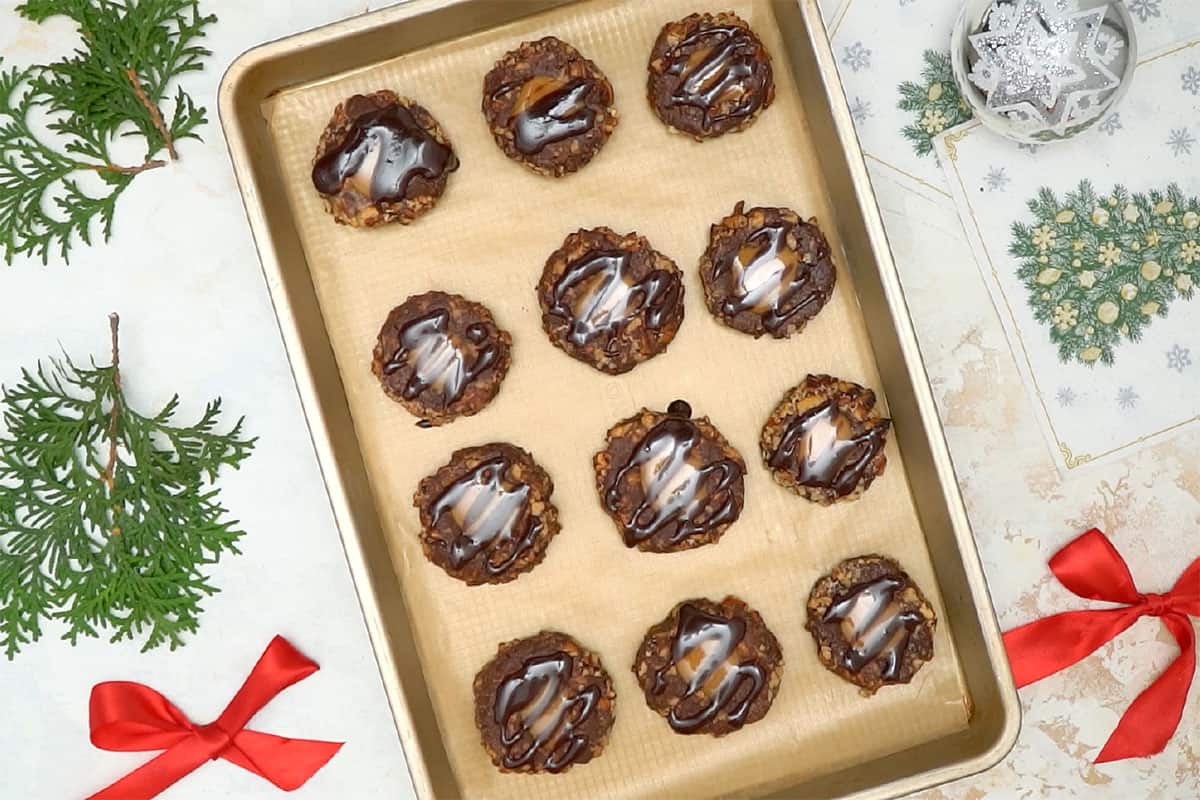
point(488, 239)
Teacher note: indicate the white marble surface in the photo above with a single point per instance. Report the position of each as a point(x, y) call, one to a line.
point(182, 271)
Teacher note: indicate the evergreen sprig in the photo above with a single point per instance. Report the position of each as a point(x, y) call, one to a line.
point(115, 85)
point(1100, 268)
point(935, 100)
point(107, 517)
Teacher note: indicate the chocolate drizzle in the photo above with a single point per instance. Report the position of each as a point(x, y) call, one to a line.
point(548, 110)
point(680, 408)
point(533, 705)
point(719, 66)
point(598, 298)
point(874, 625)
point(703, 655)
point(489, 516)
point(437, 362)
point(384, 150)
point(825, 448)
point(770, 278)
point(676, 493)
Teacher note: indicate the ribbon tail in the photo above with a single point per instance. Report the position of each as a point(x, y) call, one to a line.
point(1046, 646)
point(287, 763)
point(1151, 720)
point(280, 666)
point(157, 774)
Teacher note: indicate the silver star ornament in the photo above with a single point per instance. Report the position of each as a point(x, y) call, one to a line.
point(1042, 64)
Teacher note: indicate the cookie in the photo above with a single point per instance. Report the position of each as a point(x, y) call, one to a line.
point(669, 482)
point(486, 516)
point(548, 107)
point(825, 441)
point(709, 75)
point(609, 300)
point(710, 667)
point(872, 625)
point(766, 271)
point(441, 356)
point(383, 158)
point(543, 704)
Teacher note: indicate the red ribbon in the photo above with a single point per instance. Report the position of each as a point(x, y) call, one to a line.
point(129, 717)
point(1091, 567)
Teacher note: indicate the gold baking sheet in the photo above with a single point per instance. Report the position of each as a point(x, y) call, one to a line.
point(488, 239)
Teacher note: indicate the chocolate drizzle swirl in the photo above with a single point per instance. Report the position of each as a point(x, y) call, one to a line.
point(383, 151)
point(719, 66)
point(548, 110)
point(437, 362)
point(703, 655)
point(533, 705)
point(489, 516)
point(597, 298)
point(874, 625)
point(676, 492)
point(770, 278)
point(824, 447)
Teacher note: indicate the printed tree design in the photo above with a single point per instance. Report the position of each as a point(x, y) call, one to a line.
point(935, 101)
point(1100, 268)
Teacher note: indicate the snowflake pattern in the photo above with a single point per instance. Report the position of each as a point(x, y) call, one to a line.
point(861, 111)
point(1145, 9)
point(1191, 80)
point(1065, 397)
point(1111, 124)
point(1127, 398)
point(1108, 47)
point(856, 56)
point(997, 179)
point(1180, 141)
point(1179, 358)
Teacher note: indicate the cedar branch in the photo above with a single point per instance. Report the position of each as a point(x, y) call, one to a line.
point(154, 164)
point(155, 114)
point(114, 322)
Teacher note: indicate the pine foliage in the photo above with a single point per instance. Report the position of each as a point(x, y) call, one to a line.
point(107, 517)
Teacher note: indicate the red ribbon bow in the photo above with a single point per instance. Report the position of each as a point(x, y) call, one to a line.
point(129, 717)
point(1091, 567)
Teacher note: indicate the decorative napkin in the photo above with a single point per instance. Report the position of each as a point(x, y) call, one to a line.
point(894, 57)
point(1143, 383)
point(894, 53)
point(1091, 251)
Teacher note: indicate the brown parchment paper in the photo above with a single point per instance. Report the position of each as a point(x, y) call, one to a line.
point(488, 239)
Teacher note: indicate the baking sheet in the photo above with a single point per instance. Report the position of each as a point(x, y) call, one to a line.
point(488, 239)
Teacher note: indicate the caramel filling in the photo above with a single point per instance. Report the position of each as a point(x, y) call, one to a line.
point(534, 706)
point(382, 153)
point(720, 73)
point(704, 654)
point(440, 368)
point(678, 493)
point(548, 109)
point(826, 448)
point(770, 278)
point(874, 625)
point(598, 297)
point(488, 515)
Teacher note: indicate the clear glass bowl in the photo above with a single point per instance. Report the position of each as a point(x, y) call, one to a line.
point(1032, 121)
